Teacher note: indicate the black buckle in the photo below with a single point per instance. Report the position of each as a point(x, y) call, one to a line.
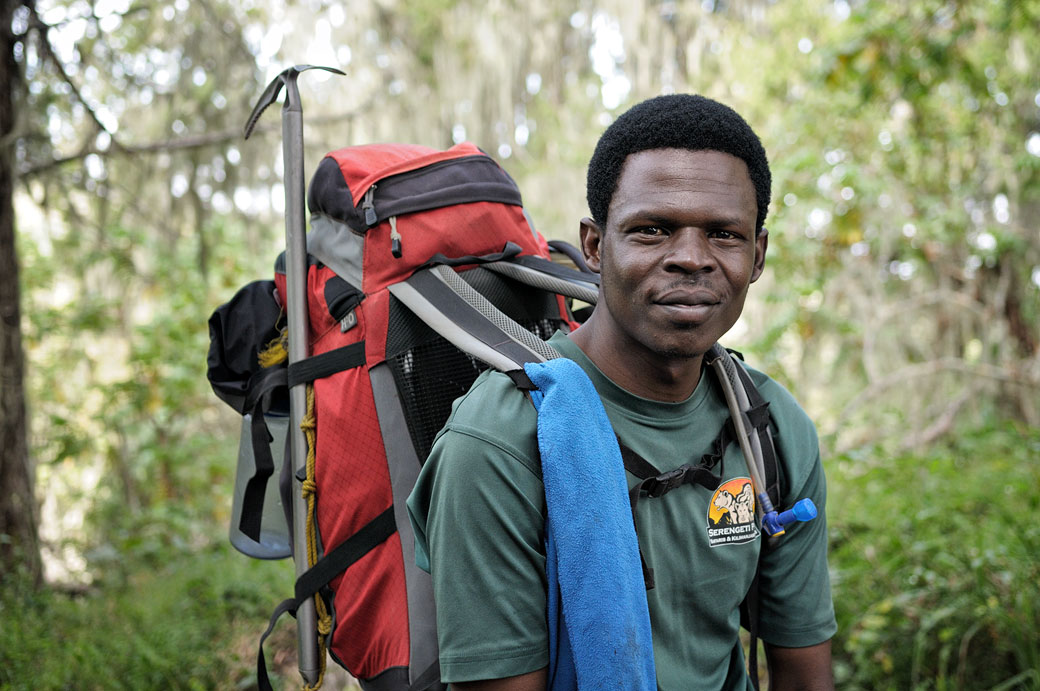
point(666, 482)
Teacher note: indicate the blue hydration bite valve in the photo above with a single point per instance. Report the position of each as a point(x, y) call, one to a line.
point(774, 524)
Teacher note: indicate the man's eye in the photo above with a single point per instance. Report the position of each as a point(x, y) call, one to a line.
point(723, 234)
point(651, 231)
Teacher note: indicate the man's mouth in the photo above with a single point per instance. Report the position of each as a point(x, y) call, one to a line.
point(688, 298)
point(692, 305)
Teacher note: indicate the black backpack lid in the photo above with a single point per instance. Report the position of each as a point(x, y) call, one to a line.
point(238, 331)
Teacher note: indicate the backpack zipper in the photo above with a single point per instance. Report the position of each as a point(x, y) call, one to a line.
point(395, 238)
point(369, 207)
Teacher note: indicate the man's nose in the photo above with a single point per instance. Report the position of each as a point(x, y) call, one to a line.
point(689, 251)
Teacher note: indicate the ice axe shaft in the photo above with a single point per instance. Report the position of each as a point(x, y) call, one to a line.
point(296, 311)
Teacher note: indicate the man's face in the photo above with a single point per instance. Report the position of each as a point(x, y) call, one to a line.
point(678, 253)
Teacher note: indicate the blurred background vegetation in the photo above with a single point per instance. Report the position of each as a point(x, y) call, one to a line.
point(901, 303)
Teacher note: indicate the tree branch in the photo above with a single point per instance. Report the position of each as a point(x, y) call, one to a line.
point(928, 299)
point(190, 142)
point(925, 369)
point(941, 425)
point(193, 141)
point(48, 52)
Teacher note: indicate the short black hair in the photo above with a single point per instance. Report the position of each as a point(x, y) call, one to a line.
point(675, 121)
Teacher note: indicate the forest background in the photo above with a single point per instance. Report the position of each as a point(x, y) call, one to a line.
point(901, 302)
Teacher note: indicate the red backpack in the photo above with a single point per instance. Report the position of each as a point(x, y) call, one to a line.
point(422, 270)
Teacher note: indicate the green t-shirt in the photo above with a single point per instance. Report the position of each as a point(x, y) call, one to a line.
point(479, 513)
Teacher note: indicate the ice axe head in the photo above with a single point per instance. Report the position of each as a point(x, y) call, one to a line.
point(286, 78)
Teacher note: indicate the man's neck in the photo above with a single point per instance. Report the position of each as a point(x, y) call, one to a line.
point(638, 371)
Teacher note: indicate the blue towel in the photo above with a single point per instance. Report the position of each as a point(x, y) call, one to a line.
point(599, 623)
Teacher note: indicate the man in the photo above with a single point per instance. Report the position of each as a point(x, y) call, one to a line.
point(678, 188)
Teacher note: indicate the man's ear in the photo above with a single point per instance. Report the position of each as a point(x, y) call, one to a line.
point(761, 243)
point(591, 237)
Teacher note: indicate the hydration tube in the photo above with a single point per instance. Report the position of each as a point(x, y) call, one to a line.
point(773, 523)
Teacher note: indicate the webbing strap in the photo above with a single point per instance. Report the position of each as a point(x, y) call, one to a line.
point(262, 681)
point(338, 560)
point(375, 532)
point(328, 567)
point(655, 484)
point(326, 364)
point(521, 380)
point(430, 676)
point(511, 250)
point(262, 386)
point(636, 464)
point(643, 469)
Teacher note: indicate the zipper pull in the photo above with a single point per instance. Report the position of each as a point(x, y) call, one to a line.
point(368, 206)
point(395, 238)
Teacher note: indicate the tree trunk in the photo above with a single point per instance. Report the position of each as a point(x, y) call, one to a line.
point(19, 542)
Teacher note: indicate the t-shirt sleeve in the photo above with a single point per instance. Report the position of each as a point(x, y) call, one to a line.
point(795, 607)
point(478, 508)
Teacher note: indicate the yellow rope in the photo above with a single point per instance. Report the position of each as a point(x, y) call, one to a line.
point(274, 352)
point(308, 489)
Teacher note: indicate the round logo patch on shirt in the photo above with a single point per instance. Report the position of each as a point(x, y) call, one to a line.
point(731, 513)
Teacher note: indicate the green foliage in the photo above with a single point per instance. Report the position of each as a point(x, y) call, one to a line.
point(148, 417)
point(934, 565)
point(902, 245)
point(899, 302)
point(191, 622)
point(133, 241)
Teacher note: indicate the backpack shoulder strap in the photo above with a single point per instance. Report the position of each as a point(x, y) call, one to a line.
point(468, 320)
point(748, 417)
point(760, 419)
point(767, 459)
point(749, 607)
point(547, 275)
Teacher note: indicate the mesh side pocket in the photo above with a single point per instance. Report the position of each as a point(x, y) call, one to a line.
point(428, 378)
point(430, 373)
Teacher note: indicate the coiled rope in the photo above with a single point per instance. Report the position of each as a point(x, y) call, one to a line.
point(308, 492)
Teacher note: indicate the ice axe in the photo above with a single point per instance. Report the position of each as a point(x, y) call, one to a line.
point(296, 311)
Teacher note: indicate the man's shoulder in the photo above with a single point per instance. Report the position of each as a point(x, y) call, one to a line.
point(490, 394)
point(492, 409)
